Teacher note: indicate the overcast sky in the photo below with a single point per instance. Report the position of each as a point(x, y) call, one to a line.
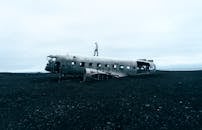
point(168, 31)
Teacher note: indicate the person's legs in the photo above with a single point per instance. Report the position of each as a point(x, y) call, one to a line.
point(96, 52)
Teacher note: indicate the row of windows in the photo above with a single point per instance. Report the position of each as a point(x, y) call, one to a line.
point(82, 64)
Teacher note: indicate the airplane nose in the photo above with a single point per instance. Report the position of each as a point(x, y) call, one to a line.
point(53, 67)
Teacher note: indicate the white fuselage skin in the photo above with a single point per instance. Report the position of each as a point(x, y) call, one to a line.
point(78, 65)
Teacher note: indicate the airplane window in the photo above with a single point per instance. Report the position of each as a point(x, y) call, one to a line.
point(73, 63)
point(90, 64)
point(107, 65)
point(82, 64)
point(121, 67)
point(128, 67)
point(114, 66)
point(99, 65)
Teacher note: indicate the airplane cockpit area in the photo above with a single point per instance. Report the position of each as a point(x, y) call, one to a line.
point(53, 64)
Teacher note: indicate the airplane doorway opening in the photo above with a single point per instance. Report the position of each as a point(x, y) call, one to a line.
point(142, 67)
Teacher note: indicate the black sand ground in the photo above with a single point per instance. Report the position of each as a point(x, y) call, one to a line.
point(166, 100)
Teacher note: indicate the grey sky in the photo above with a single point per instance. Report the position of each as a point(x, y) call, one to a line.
point(168, 31)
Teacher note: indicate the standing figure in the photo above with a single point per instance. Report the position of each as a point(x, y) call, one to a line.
point(96, 49)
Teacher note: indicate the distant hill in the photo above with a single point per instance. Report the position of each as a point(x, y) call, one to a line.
point(180, 67)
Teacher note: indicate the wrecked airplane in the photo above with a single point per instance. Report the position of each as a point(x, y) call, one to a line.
point(97, 68)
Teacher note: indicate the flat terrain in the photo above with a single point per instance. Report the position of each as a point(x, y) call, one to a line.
point(165, 100)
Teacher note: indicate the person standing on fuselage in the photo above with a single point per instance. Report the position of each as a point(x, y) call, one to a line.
point(96, 49)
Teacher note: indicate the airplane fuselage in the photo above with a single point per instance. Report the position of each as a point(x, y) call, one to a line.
point(89, 66)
